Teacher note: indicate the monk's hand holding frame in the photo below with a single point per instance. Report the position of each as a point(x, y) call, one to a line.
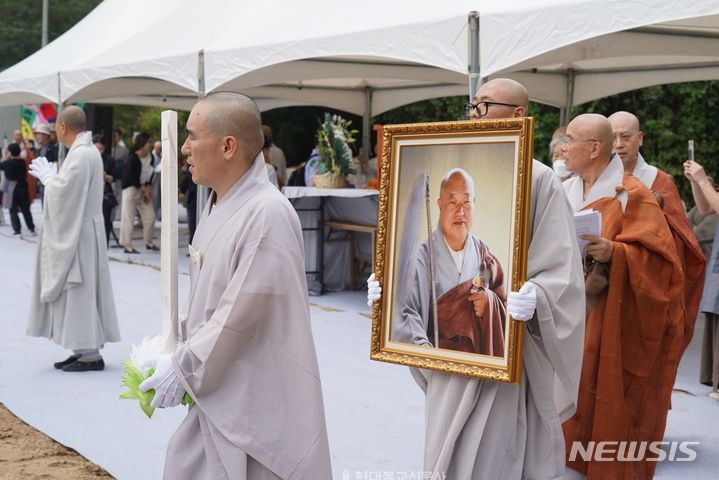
point(522, 304)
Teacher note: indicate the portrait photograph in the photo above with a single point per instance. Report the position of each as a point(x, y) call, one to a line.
point(452, 242)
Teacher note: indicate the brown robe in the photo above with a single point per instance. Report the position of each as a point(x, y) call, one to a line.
point(459, 328)
point(633, 336)
point(690, 252)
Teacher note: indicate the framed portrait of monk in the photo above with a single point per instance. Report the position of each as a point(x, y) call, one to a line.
point(452, 239)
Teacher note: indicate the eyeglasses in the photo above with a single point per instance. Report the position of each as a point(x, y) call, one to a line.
point(483, 107)
point(569, 140)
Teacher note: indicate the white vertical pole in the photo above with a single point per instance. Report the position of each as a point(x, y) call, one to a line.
point(474, 79)
point(203, 192)
point(168, 233)
point(60, 147)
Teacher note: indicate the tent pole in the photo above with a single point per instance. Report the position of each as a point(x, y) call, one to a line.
point(60, 147)
point(474, 79)
point(566, 112)
point(366, 120)
point(202, 191)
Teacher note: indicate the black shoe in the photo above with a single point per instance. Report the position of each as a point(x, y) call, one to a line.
point(152, 247)
point(67, 361)
point(16, 233)
point(131, 251)
point(79, 366)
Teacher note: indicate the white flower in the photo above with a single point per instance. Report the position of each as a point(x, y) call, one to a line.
point(147, 352)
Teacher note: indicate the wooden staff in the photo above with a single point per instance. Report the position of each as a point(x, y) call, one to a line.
point(168, 232)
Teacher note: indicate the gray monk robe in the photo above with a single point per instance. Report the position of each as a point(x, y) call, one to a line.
point(459, 328)
point(72, 301)
point(482, 429)
point(246, 354)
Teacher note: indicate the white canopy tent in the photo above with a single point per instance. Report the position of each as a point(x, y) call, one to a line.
point(369, 60)
point(571, 52)
point(317, 52)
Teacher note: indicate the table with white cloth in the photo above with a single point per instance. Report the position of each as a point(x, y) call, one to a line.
point(328, 261)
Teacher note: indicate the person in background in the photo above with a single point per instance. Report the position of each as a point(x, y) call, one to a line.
point(72, 301)
point(119, 154)
point(189, 189)
point(707, 202)
point(704, 226)
point(109, 201)
point(27, 154)
point(137, 194)
point(44, 147)
point(627, 141)
point(559, 163)
point(157, 179)
point(271, 169)
point(277, 158)
point(17, 199)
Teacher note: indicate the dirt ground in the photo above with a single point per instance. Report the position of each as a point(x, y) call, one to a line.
point(26, 453)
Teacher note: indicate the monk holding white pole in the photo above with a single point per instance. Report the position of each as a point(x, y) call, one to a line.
point(245, 351)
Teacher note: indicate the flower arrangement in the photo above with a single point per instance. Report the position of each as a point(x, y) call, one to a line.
point(139, 368)
point(333, 138)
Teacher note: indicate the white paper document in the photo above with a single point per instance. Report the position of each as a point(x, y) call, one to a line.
point(587, 222)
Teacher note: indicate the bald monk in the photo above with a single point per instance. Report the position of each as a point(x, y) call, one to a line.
point(72, 301)
point(245, 351)
point(628, 138)
point(636, 319)
point(484, 429)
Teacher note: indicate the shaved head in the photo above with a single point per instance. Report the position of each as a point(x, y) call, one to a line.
point(628, 138)
point(74, 119)
point(511, 91)
point(236, 115)
point(596, 127)
point(508, 99)
point(625, 118)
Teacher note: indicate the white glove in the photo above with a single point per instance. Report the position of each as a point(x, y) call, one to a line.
point(43, 170)
point(374, 291)
point(168, 389)
point(521, 304)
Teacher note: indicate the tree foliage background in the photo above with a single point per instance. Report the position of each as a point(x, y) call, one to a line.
point(21, 27)
point(670, 114)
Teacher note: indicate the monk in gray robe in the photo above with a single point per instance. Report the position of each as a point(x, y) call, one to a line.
point(470, 281)
point(245, 351)
point(72, 302)
point(484, 429)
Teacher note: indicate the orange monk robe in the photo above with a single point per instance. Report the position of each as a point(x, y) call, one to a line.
point(688, 248)
point(633, 336)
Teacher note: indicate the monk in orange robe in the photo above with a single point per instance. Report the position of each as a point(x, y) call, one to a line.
point(634, 330)
point(628, 138)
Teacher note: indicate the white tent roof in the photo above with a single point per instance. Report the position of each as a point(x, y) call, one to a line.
point(600, 48)
point(404, 51)
point(387, 53)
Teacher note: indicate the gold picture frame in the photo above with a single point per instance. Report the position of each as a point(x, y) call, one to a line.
point(419, 172)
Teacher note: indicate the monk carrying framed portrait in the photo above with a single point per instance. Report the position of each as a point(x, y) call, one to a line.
point(452, 241)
